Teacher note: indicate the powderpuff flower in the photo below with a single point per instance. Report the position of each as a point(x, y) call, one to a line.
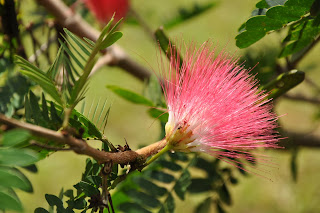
point(215, 106)
point(104, 9)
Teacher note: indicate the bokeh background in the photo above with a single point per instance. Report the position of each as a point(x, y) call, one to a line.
point(131, 122)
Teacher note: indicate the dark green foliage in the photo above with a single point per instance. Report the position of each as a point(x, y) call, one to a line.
point(283, 83)
point(12, 156)
point(15, 137)
point(185, 14)
point(294, 164)
point(12, 94)
point(40, 115)
point(274, 15)
point(13, 178)
point(204, 206)
point(150, 188)
point(167, 46)
point(147, 191)
point(300, 36)
point(182, 184)
point(88, 191)
point(9, 201)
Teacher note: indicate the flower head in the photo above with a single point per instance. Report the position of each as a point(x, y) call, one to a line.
point(215, 106)
point(104, 9)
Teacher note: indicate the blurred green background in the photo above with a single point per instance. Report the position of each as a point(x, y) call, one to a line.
point(131, 122)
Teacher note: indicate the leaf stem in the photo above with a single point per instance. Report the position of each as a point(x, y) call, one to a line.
point(67, 113)
point(161, 152)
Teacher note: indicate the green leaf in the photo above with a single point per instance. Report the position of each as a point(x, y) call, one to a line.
point(80, 43)
point(31, 168)
point(111, 39)
point(14, 178)
point(95, 180)
point(149, 187)
point(262, 4)
point(185, 14)
point(80, 203)
point(71, 54)
point(204, 207)
point(40, 210)
point(182, 184)
point(162, 176)
point(263, 24)
point(168, 205)
point(163, 40)
point(180, 156)
point(246, 38)
point(17, 157)
point(300, 37)
point(283, 83)
point(154, 91)
point(159, 114)
point(209, 167)
point(315, 8)
point(69, 193)
point(45, 112)
point(142, 198)
point(220, 208)
point(285, 14)
point(256, 28)
point(9, 202)
point(39, 77)
point(87, 188)
point(305, 4)
point(165, 45)
point(15, 137)
point(132, 208)
point(54, 200)
point(169, 165)
point(35, 108)
point(199, 185)
point(275, 18)
point(130, 96)
point(293, 164)
point(225, 194)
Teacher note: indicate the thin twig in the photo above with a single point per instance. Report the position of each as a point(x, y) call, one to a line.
point(300, 97)
point(312, 83)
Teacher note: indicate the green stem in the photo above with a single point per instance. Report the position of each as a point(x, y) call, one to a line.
point(156, 156)
point(67, 113)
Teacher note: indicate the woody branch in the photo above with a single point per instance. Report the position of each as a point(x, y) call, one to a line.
point(79, 146)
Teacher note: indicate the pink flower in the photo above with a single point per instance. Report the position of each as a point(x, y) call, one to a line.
point(215, 107)
point(104, 9)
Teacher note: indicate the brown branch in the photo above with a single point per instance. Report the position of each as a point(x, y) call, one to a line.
point(81, 147)
point(300, 97)
point(299, 140)
point(73, 22)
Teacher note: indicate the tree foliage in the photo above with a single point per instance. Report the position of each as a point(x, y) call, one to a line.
point(63, 84)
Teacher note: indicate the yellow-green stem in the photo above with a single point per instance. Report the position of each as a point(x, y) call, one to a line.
point(67, 113)
point(161, 152)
